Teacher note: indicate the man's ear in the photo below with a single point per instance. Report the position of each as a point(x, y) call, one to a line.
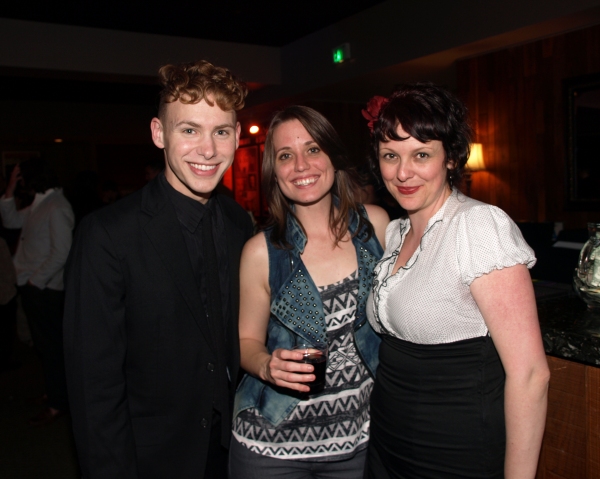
point(156, 127)
point(238, 130)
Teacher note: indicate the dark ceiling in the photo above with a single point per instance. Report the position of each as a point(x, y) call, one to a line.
point(259, 22)
point(256, 23)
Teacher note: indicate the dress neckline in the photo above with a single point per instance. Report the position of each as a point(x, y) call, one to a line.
point(350, 277)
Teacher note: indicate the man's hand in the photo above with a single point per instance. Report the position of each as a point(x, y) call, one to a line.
point(15, 177)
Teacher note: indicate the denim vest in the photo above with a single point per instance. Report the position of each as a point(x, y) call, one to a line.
point(297, 314)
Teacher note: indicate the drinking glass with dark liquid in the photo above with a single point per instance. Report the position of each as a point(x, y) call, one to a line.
point(315, 354)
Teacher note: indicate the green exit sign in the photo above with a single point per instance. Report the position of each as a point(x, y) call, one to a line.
point(341, 53)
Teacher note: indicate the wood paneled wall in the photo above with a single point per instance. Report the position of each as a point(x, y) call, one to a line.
point(515, 98)
point(571, 445)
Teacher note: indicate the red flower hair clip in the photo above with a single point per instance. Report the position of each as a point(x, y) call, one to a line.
point(373, 110)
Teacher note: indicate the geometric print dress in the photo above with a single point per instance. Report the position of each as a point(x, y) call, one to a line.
point(332, 425)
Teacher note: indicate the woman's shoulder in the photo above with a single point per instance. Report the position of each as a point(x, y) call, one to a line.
point(474, 211)
point(376, 214)
point(487, 239)
point(256, 247)
point(379, 219)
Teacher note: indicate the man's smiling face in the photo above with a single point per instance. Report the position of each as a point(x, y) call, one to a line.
point(199, 141)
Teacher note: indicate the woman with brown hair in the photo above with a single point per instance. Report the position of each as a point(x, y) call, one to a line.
point(306, 279)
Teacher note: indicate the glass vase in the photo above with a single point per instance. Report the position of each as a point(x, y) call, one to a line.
point(586, 279)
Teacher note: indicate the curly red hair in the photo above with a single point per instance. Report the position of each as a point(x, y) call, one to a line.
point(195, 81)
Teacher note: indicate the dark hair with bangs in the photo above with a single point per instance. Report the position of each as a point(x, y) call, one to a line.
point(195, 81)
point(345, 184)
point(426, 112)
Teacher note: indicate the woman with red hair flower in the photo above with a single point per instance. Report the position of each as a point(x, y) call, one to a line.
point(461, 386)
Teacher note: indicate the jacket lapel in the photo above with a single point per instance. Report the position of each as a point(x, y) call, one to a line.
point(235, 242)
point(164, 231)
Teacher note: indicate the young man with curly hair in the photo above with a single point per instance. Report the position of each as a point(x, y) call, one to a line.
point(151, 337)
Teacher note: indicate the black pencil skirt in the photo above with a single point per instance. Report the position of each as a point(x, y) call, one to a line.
point(437, 411)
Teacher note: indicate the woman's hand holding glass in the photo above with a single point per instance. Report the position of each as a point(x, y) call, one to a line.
point(284, 369)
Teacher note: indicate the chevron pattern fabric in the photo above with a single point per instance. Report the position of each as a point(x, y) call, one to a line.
point(333, 425)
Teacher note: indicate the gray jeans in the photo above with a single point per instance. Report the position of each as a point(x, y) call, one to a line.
point(245, 464)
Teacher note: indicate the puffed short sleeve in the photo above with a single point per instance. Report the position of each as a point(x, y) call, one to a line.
point(487, 239)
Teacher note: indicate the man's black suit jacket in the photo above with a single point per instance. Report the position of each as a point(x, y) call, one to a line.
point(138, 350)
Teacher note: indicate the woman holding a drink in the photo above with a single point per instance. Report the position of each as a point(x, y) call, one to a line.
point(304, 287)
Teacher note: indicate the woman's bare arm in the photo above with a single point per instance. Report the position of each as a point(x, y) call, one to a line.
point(506, 300)
point(255, 300)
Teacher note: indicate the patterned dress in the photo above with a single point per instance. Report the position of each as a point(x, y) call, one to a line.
point(334, 424)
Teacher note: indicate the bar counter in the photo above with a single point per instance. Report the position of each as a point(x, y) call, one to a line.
point(569, 330)
point(571, 335)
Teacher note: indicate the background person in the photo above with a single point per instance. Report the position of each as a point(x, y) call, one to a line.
point(462, 382)
point(8, 308)
point(323, 245)
point(46, 235)
point(151, 333)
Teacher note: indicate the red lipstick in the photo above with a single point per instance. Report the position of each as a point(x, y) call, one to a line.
point(406, 190)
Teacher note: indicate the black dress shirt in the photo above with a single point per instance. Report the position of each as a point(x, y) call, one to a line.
point(190, 213)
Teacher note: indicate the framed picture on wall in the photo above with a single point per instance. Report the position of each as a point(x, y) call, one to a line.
point(582, 95)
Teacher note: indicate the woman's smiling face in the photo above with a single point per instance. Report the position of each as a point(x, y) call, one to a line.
point(415, 173)
point(303, 171)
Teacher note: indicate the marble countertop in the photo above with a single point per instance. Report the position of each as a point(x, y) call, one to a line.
point(569, 330)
